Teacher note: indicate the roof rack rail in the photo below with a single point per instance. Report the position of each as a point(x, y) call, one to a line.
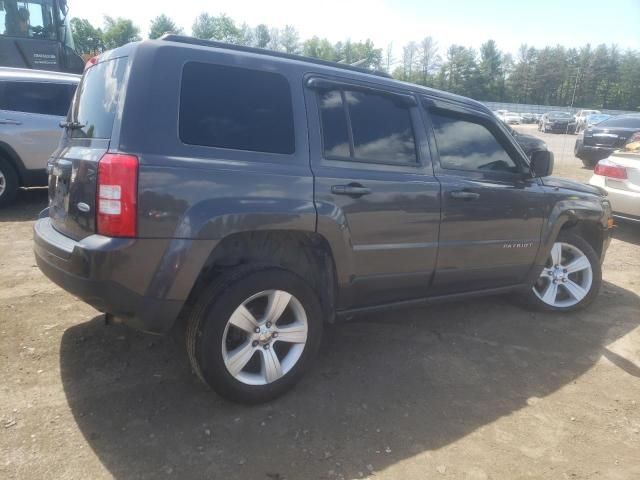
point(263, 51)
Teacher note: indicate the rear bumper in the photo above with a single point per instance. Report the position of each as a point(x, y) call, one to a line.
point(624, 203)
point(112, 275)
point(594, 153)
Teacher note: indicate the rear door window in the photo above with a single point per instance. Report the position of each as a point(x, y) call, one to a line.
point(43, 98)
point(236, 108)
point(97, 99)
point(372, 128)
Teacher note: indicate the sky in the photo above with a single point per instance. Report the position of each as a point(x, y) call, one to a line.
point(465, 22)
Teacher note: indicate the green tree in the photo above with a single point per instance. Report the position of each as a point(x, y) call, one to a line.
point(319, 48)
point(204, 27)
point(119, 31)
point(86, 37)
point(490, 71)
point(161, 25)
point(427, 59)
point(261, 36)
point(221, 28)
point(290, 39)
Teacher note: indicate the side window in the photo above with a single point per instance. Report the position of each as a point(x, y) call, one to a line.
point(335, 130)
point(467, 145)
point(238, 108)
point(381, 129)
point(32, 97)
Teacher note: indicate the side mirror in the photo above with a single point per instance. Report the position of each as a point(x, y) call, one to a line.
point(541, 163)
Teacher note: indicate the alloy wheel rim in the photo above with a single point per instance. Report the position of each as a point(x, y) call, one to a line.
point(3, 183)
point(265, 337)
point(566, 278)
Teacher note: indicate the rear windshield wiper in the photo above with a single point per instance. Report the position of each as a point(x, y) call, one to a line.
point(72, 125)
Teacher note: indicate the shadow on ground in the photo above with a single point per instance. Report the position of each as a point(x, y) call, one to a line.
point(627, 232)
point(384, 388)
point(28, 204)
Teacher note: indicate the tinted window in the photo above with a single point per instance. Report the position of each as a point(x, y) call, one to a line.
point(624, 122)
point(334, 124)
point(231, 107)
point(381, 128)
point(33, 97)
point(97, 99)
point(466, 145)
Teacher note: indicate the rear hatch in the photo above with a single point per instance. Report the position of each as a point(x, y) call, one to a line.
point(73, 167)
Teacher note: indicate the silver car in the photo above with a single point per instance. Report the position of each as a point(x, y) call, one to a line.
point(32, 105)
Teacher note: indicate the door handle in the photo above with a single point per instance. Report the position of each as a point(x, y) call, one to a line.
point(464, 195)
point(8, 121)
point(353, 190)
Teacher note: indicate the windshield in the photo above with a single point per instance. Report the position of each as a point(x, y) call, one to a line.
point(30, 19)
point(560, 115)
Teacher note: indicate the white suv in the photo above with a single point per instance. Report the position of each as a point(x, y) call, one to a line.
point(581, 118)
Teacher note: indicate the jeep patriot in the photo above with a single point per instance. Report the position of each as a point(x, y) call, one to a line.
point(256, 195)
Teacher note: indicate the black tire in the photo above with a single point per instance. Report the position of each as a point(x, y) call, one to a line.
point(209, 316)
point(533, 301)
point(589, 163)
point(11, 183)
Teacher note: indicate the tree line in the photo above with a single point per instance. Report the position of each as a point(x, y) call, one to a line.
point(597, 77)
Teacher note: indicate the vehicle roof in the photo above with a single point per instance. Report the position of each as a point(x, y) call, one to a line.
point(10, 73)
point(316, 65)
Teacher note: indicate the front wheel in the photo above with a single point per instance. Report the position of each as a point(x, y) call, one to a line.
point(570, 279)
point(253, 333)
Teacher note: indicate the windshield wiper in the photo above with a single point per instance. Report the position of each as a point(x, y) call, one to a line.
point(72, 125)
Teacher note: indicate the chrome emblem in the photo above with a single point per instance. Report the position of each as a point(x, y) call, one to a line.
point(83, 207)
point(518, 245)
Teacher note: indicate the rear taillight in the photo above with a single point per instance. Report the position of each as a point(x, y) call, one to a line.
point(90, 63)
point(117, 195)
point(607, 168)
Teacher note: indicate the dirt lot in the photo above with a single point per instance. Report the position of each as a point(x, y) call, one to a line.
point(473, 390)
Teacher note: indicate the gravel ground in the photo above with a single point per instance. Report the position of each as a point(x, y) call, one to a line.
point(471, 390)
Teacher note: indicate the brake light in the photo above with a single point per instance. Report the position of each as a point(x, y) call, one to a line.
point(607, 168)
point(90, 63)
point(117, 195)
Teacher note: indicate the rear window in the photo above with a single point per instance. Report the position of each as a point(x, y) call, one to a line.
point(97, 99)
point(36, 97)
point(236, 108)
point(624, 122)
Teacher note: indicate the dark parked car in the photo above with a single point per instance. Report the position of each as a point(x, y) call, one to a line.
point(601, 140)
point(257, 195)
point(528, 143)
point(558, 122)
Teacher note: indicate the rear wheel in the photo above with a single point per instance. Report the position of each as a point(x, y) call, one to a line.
point(571, 278)
point(8, 183)
point(253, 333)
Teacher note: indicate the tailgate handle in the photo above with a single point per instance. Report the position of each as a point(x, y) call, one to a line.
point(461, 194)
point(8, 121)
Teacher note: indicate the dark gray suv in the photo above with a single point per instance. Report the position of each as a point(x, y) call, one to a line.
point(258, 195)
